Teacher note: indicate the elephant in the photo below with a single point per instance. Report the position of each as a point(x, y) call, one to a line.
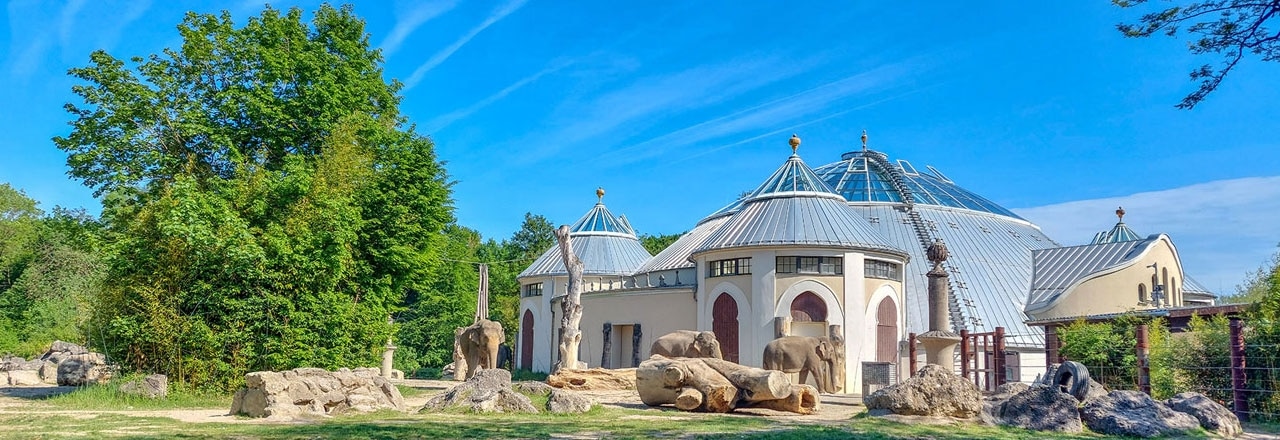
point(479, 345)
point(804, 354)
point(687, 343)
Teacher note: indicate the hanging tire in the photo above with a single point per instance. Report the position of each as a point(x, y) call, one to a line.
point(1072, 378)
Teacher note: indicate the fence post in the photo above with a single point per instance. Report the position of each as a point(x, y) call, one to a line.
point(1144, 369)
point(998, 359)
point(964, 354)
point(1239, 393)
point(911, 348)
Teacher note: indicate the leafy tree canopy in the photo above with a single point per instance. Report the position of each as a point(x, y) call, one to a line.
point(265, 206)
point(1230, 28)
point(656, 243)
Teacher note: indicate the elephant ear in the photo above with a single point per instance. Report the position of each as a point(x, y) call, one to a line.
point(823, 349)
point(474, 335)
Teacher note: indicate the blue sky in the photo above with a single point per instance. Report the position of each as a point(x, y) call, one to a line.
point(677, 107)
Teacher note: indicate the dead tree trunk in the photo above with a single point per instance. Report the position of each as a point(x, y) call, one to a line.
point(570, 305)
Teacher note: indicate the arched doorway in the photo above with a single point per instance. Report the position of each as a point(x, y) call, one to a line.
point(886, 332)
point(724, 323)
point(526, 341)
point(808, 315)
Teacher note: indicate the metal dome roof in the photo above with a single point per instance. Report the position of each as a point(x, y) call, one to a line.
point(606, 244)
point(794, 207)
point(868, 176)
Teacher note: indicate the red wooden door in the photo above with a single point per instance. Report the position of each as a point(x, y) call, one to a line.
point(807, 307)
point(724, 323)
point(526, 341)
point(886, 332)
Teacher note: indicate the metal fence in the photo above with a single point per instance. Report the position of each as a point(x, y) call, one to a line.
point(1242, 377)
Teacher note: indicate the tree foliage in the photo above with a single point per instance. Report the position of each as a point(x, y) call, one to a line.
point(265, 205)
point(49, 270)
point(1229, 28)
point(656, 243)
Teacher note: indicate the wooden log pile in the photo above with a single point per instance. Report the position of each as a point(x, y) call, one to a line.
point(719, 386)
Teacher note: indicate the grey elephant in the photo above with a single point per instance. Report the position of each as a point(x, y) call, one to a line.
point(804, 354)
point(479, 345)
point(687, 343)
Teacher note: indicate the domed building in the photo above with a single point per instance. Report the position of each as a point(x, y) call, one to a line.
point(839, 251)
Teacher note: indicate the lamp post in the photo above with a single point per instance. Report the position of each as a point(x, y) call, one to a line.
point(1157, 290)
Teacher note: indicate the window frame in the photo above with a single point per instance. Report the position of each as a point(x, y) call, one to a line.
point(809, 265)
point(729, 267)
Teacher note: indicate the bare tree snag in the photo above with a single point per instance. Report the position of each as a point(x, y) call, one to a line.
point(570, 305)
point(714, 385)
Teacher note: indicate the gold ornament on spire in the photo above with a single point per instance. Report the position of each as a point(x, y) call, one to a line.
point(600, 194)
point(864, 140)
point(1120, 213)
point(795, 143)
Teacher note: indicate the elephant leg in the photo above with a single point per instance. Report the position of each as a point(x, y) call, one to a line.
point(804, 375)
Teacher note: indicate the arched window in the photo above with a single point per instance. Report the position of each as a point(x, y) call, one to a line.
point(807, 307)
point(1173, 289)
point(1142, 292)
point(1164, 281)
point(526, 341)
point(724, 323)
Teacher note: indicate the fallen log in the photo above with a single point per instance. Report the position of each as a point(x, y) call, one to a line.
point(714, 385)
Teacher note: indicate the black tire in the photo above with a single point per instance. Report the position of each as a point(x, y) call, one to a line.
point(1072, 378)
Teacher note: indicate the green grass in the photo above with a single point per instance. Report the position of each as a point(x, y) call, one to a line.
point(408, 391)
point(109, 397)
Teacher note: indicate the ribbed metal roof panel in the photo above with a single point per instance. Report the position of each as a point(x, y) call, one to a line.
point(600, 255)
point(1059, 268)
point(797, 220)
point(989, 266)
point(676, 255)
point(1191, 285)
point(599, 219)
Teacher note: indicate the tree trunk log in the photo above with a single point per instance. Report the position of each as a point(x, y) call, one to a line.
point(714, 385)
point(570, 305)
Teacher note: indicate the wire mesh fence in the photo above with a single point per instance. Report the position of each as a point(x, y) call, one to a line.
point(1207, 370)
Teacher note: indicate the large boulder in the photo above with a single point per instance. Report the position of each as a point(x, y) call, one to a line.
point(932, 391)
point(84, 369)
point(314, 391)
point(155, 386)
point(1041, 408)
point(24, 378)
point(565, 401)
point(489, 390)
point(1212, 415)
point(1134, 414)
point(14, 363)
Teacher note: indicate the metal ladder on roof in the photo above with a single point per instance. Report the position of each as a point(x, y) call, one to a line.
point(957, 305)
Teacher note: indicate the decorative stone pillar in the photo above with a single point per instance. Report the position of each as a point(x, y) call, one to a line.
point(388, 355)
point(781, 326)
point(939, 342)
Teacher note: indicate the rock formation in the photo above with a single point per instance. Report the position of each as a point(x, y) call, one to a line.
point(491, 390)
point(1041, 408)
point(64, 364)
point(155, 386)
point(1134, 414)
point(932, 391)
point(598, 379)
point(714, 385)
point(1212, 416)
point(314, 391)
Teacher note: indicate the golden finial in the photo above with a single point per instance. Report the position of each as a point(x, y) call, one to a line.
point(600, 194)
point(1120, 213)
point(864, 140)
point(795, 143)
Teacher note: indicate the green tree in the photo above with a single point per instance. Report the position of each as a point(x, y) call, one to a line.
point(656, 243)
point(535, 236)
point(265, 204)
point(1230, 28)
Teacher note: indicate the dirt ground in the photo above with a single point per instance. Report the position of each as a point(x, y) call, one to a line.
point(834, 409)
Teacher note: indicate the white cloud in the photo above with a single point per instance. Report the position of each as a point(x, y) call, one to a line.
point(444, 54)
point(443, 121)
point(1223, 229)
point(410, 21)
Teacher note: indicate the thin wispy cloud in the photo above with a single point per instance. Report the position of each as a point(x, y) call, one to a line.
point(786, 110)
point(621, 112)
point(407, 23)
point(1222, 229)
point(31, 38)
point(444, 54)
point(449, 118)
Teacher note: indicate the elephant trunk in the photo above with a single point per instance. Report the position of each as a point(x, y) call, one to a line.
point(715, 351)
point(492, 355)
